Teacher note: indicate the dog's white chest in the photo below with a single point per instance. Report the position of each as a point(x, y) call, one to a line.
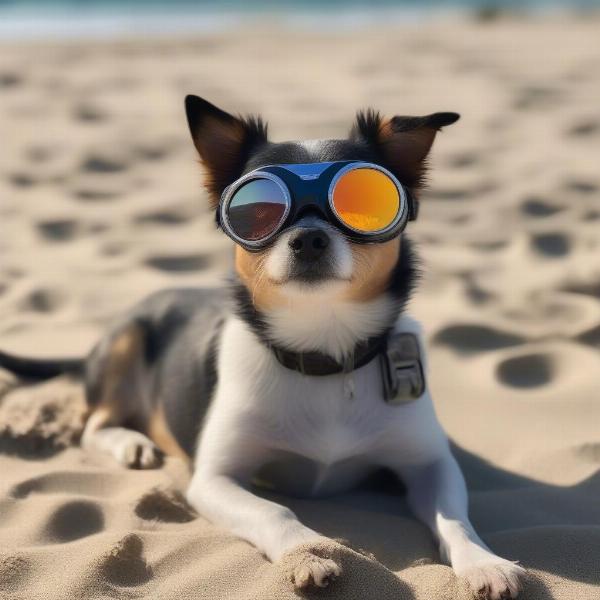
point(319, 419)
point(320, 438)
point(309, 427)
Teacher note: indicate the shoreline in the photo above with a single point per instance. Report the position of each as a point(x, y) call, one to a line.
point(108, 25)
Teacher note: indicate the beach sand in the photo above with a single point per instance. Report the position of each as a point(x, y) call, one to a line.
point(100, 204)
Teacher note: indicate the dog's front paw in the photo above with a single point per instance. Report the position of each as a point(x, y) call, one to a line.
point(314, 571)
point(138, 452)
point(494, 580)
point(313, 564)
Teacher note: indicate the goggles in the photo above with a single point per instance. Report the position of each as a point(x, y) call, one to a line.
point(365, 201)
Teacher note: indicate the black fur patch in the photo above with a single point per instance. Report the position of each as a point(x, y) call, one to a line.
point(244, 308)
point(296, 153)
point(405, 275)
point(367, 126)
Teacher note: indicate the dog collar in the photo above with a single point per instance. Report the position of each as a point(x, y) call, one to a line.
point(399, 356)
point(319, 364)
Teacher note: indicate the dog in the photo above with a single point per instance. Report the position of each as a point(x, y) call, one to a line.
point(305, 372)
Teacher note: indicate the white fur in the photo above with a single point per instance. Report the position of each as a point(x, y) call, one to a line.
point(314, 317)
point(313, 146)
point(131, 448)
point(279, 259)
point(263, 413)
point(322, 323)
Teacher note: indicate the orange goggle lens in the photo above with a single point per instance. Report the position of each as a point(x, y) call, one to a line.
point(366, 199)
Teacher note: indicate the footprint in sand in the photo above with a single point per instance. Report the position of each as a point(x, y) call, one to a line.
point(163, 217)
point(556, 313)
point(8, 80)
point(474, 291)
point(470, 339)
point(551, 245)
point(22, 180)
point(95, 227)
point(152, 152)
point(14, 569)
point(591, 337)
point(178, 263)
point(43, 300)
point(585, 128)
point(103, 164)
point(448, 194)
point(478, 190)
point(590, 288)
point(526, 371)
point(95, 195)
point(82, 483)
point(590, 452)
point(581, 186)
point(125, 565)
point(463, 160)
point(113, 248)
point(88, 113)
point(57, 230)
point(489, 245)
point(74, 520)
point(168, 506)
point(460, 219)
point(39, 154)
point(533, 97)
point(538, 207)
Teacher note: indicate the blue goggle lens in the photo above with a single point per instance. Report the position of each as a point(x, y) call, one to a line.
point(257, 209)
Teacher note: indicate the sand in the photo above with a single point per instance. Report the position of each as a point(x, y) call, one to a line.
point(100, 204)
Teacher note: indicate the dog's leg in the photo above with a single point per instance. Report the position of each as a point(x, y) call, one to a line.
point(218, 491)
point(113, 389)
point(438, 496)
point(131, 448)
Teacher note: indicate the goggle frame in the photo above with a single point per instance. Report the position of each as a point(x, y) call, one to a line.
point(310, 186)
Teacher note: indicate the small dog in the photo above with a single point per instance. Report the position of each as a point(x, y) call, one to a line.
point(304, 373)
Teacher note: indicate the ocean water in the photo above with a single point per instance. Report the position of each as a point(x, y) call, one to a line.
point(102, 18)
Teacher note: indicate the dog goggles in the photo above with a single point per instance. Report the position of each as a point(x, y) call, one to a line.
point(365, 201)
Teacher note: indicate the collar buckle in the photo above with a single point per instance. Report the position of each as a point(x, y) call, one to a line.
point(402, 370)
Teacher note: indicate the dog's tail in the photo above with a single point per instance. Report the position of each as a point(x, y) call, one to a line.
point(39, 368)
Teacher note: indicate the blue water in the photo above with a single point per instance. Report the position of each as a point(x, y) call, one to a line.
point(101, 18)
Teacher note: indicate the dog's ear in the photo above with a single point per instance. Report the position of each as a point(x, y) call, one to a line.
point(223, 141)
point(402, 143)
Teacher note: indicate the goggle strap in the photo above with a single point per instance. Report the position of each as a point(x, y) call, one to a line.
point(413, 206)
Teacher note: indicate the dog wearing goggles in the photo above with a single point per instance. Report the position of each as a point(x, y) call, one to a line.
point(305, 374)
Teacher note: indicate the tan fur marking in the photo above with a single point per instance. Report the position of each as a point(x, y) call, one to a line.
point(250, 268)
point(114, 408)
point(160, 434)
point(373, 266)
point(122, 355)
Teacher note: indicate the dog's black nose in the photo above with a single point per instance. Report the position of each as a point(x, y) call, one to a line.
point(309, 244)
